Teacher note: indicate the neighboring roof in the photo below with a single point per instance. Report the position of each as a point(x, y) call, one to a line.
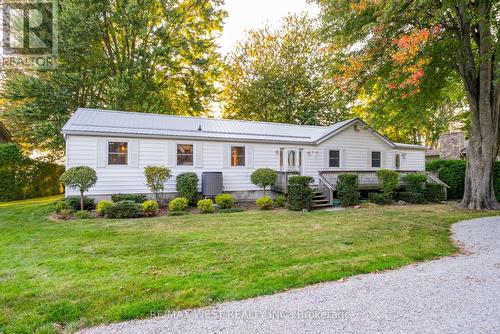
point(116, 123)
point(432, 153)
point(5, 135)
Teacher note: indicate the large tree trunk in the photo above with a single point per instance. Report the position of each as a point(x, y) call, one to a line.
point(482, 92)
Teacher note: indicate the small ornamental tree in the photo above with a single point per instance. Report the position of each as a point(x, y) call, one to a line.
point(82, 178)
point(264, 177)
point(156, 177)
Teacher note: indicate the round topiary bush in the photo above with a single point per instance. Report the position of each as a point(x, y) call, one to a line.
point(178, 204)
point(264, 177)
point(264, 203)
point(187, 186)
point(206, 205)
point(102, 206)
point(224, 201)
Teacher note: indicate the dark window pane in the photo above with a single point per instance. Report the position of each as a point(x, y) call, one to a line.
point(117, 153)
point(334, 158)
point(184, 155)
point(237, 156)
point(376, 159)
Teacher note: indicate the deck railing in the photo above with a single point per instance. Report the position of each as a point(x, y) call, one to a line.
point(282, 181)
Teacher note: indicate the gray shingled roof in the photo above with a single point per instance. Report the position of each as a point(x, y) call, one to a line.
point(115, 123)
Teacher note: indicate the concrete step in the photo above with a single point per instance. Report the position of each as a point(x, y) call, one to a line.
point(324, 205)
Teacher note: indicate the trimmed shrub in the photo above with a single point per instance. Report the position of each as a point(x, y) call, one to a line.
point(231, 210)
point(187, 186)
point(451, 172)
point(178, 204)
point(415, 182)
point(81, 178)
point(102, 206)
point(388, 181)
point(156, 177)
point(280, 201)
point(434, 193)
point(178, 213)
point(83, 215)
point(264, 177)
point(348, 189)
point(412, 197)
point(138, 198)
point(150, 208)
point(123, 209)
point(224, 201)
point(61, 205)
point(206, 205)
point(22, 177)
point(380, 198)
point(264, 203)
point(300, 194)
point(74, 202)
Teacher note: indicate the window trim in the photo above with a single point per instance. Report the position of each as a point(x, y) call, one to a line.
point(330, 159)
point(380, 159)
point(177, 154)
point(244, 156)
point(397, 159)
point(109, 141)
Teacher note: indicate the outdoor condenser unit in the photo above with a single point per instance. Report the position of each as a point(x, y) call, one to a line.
point(211, 183)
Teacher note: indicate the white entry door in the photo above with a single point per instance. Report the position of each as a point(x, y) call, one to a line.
point(292, 160)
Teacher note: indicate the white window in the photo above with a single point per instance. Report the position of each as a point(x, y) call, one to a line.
point(397, 161)
point(334, 158)
point(291, 158)
point(117, 153)
point(237, 156)
point(376, 159)
point(184, 154)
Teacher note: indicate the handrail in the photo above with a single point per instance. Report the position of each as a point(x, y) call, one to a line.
point(437, 180)
point(324, 181)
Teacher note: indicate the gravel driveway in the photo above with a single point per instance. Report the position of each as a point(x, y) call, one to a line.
point(459, 294)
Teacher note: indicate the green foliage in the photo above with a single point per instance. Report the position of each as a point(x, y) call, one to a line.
point(224, 201)
point(206, 205)
point(264, 177)
point(451, 172)
point(178, 213)
point(81, 178)
point(102, 207)
point(434, 193)
point(280, 201)
point(138, 198)
point(22, 177)
point(83, 215)
point(388, 181)
point(281, 76)
point(123, 209)
point(348, 189)
point(75, 203)
point(156, 177)
point(150, 208)
point(59, 206)
point(178, 204)
point(380, 198)
point(231, 210)
point(415, 182)
point(151, 56)
point(300, 194)
point(412, 197)
point(264, 203)
point(187, 186)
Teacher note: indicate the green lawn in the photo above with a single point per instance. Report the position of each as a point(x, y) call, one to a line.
point(61, 276)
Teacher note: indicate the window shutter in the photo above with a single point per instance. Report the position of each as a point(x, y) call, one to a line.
point(226, 155)
point(326, 158)
point(369, 160)
point(382, 159)
point(249, 156)
point(198, 154)
point(171, 154)
point(133, 152)
point(102, 152)
point(343, 157)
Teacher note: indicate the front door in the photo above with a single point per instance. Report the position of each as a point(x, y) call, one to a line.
point(291, 160)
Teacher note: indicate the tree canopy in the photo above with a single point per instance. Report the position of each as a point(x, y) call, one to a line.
point(281, 76)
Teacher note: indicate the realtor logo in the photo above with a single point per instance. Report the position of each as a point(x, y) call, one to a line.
point(29, 34)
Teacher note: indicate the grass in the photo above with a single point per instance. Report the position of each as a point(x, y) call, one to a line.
point(62, 276)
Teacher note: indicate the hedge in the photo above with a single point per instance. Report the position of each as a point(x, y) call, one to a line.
point(452, 172)
point(23, 178)
point(187, 186)
point(348, 189)
point(300, 194)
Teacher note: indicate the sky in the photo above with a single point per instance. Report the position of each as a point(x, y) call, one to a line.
point(250, 14)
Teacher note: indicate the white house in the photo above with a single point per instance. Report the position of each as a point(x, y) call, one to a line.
point(118, 145)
